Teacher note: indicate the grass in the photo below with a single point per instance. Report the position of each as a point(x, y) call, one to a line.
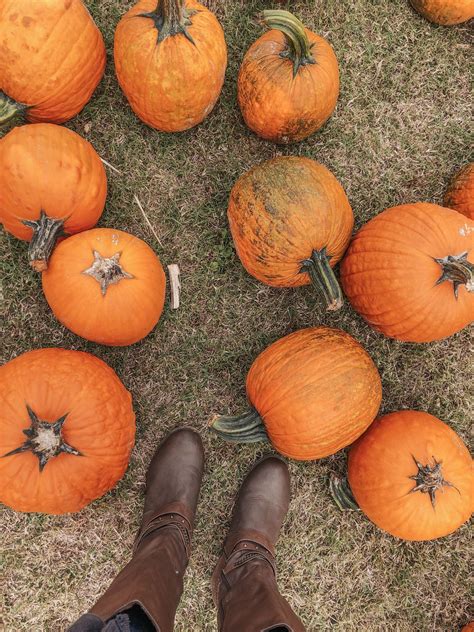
point(400, 130)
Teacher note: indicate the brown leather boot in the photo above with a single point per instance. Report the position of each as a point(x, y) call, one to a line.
point(244, 584)
point(153, 579)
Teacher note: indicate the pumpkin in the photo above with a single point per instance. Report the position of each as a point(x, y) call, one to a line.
point(288, 83)
point(67, 428)
point(460, 193)
point(311, 393)
point(469, 627)
point(53, 57)
point(52, 182)
point(170, 60)
point(106, 286)
point(446, 12)
point(291, 222)
point(409, 272)
point(412, 476)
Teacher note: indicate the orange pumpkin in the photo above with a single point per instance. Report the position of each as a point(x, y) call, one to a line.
point(53, 57)
point(106, 286)
point(170, 59)
point(311, 394)
point(409, 272)
point(412, 476)
point(468, 627)
point(291, 222)
point(51, 182)
point(446, 12)
point(460, 194)
point(67, 428)
point(289, 81)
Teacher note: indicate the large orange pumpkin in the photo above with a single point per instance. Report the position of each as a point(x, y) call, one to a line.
point(409, 272)
point(291, 222)
point(52, 59)
point(170, 59)
point(446, 12)
point(289, 80)
point(460, 193)
point(412, 476)
point(67, 428)
point(311, 394)
point(106, 286)
point(51, 182)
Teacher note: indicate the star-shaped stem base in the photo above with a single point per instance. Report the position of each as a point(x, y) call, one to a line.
point(429, 479)
point(107, 271)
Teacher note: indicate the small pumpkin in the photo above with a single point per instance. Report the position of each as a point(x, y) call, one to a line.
point(460, 193)
point(170, 60)
point(446, 12)
point(311, 393)
point(412, 476)
point(53, 57)
point(291, 222)
point(67, 428)
point(52, 182)
point(288, 83)
point(409, 272)
point(469, 627)
point(106, 286)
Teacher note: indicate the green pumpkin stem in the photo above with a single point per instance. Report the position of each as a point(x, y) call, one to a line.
point(458, 270)
point(299, 47)
point(10, 109)
point(246, 428)
point(323, 278)
point(342, 493)
point(171, 18)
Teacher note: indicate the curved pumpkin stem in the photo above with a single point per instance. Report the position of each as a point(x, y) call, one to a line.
point(171, 18)
point(323, 278)
point(299, 48)
point(10, 109)
point(46, 231)
point(342, 493)
point(458, 270)
point(246, 428)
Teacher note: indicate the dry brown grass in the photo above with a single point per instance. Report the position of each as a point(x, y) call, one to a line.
point(400, 130)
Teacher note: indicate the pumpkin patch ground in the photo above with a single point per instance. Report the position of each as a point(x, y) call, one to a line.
point(398, 135)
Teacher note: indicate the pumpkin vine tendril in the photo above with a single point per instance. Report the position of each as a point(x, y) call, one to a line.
point(459, 270)
point(107, 271)
point(171, 18)
point(429, 479)
point(44, 439)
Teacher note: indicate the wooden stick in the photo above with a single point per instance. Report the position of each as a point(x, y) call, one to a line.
point(175, 284)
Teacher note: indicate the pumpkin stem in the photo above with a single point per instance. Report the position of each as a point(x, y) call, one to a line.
point(46, 230)
point(458, 270)
point(246, 428)
point(429, 479)
point(107, 271)
point(171, 18)
point(342, 493)
point(44, 439)
point(299, 48)
point(323, 278)
point(9, 109)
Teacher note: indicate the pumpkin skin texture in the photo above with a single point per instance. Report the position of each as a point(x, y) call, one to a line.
point(285, 212)
point(170, 61)
point(383, 473)
point(392, 277)
point(99, 424)
point(106, 286)
point(445, 12)
point(49, 170)
point(277, 103)
point(460, 194)
point(53, 57)
point(314, 391)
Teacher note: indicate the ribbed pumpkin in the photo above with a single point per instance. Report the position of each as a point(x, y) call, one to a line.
point(469, 627)
point(52, 59)
point(460, 193)
point(412, 475)
point(51, 182)
point(446, 12)
point(409, 272)
point(311, 393)
point(67, 428)
point(291, 222)
point(170, 59)
point(289, 80)
point(106, 286)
